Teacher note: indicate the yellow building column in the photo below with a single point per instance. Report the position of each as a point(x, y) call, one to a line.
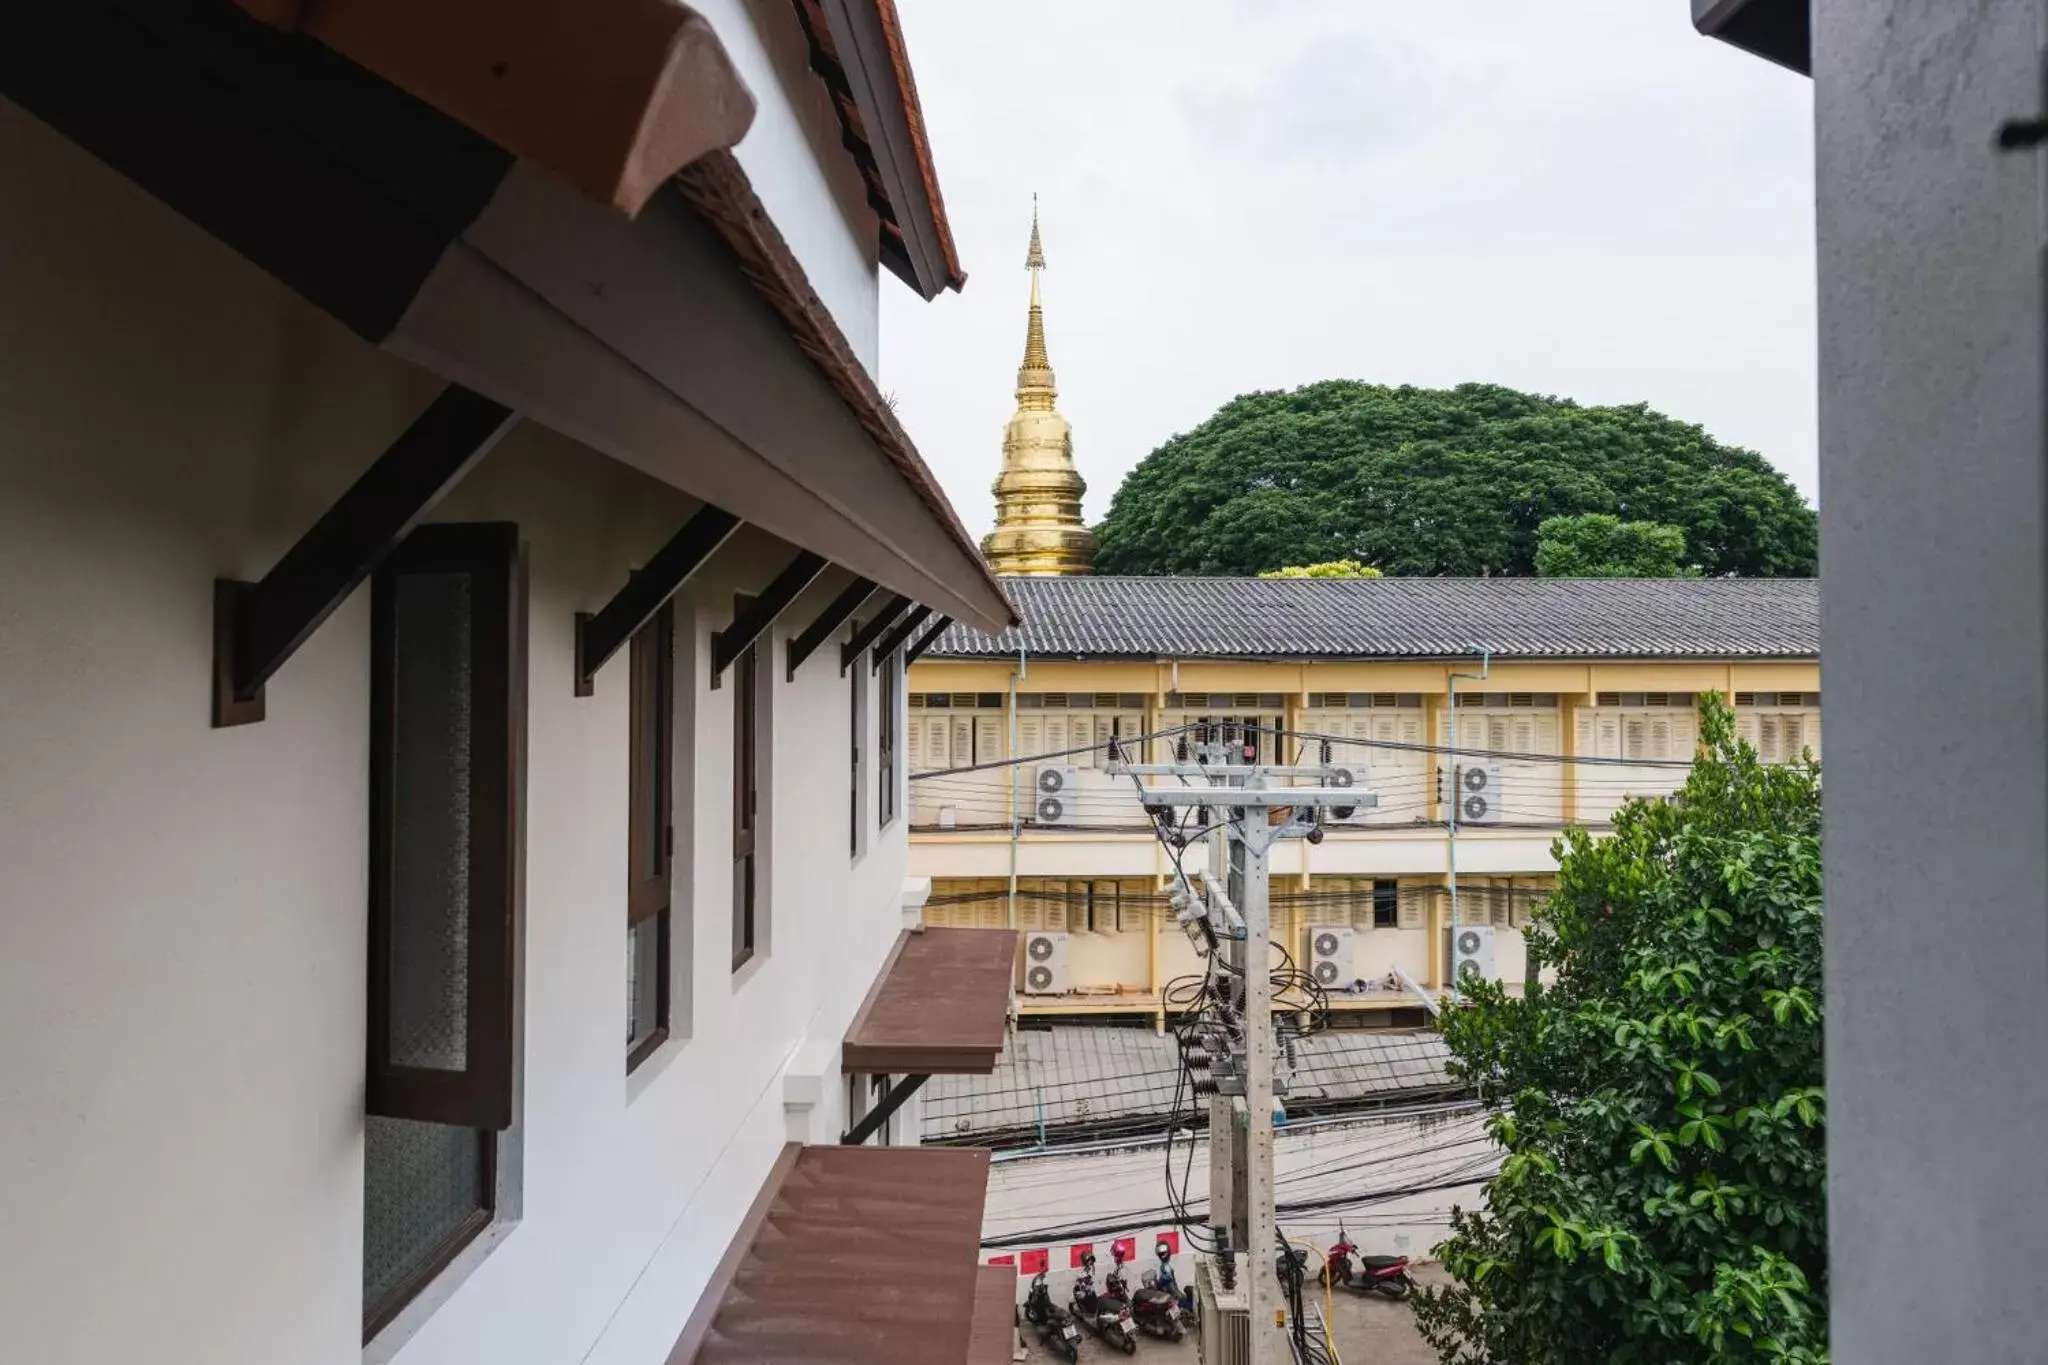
point(1568, 742)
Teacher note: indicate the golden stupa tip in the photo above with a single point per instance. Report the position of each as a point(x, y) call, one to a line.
point(1034, 259)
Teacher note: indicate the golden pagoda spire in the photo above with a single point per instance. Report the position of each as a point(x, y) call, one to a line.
point(1038, 495)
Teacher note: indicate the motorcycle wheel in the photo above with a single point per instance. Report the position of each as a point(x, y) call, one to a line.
point(1070, 1350)
point(1395, 1286)
point(1178, 1333)
point(1129, 1344)
point(1323, 1277)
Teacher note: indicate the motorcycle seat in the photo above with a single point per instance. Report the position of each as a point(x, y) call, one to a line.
point(1381, 1262)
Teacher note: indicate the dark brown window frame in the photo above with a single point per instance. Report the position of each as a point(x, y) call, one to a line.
point(746, 800)
point(857, 733)
point(886, 728)
point(650, 837)
point(479, 1098)
point(378, 1316)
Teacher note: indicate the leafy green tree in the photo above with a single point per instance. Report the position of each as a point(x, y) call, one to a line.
point(1335, 568)
point(1662, 1196)
point(1439, 481)
point(1596, 545)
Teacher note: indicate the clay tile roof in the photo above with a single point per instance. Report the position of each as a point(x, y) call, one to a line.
point(1402, 618)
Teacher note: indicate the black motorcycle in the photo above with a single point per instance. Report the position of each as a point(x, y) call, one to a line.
point(1055, 1324)
point(1155, 1310)
point(1104, 1314)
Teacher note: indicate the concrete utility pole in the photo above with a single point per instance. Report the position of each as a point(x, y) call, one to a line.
point(1249, 811)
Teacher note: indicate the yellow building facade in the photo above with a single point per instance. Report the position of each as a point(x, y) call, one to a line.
point(1563, 741)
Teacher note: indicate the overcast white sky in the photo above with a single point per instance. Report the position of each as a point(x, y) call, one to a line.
point(1577, 197)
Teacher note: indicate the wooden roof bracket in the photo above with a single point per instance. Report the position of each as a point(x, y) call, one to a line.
point(829, 620)
point(258, 626)
point(602, 635)
point(749, 623)
point(865, 636)
point(926, 640)
point(896, 637)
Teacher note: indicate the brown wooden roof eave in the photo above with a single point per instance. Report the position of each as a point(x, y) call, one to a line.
point(613, 107)
point(849, 1256)
point(859, 141)
point(939, 1006)
point(928, 172)
point(717, 188)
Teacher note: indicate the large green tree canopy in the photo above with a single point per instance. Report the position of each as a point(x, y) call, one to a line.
point(1439, 482)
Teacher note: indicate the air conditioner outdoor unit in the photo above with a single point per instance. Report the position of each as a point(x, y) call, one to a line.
point(1045, 964)
point(1367, 801)
point(1471, 953)
point(1329, 955)
point(1479, 795)
point(1057, 787)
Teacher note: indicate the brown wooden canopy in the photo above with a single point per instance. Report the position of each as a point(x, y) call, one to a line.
point(941, 1005)
point(852, 1256)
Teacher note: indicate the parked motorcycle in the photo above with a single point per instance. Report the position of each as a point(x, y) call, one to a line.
point(1055, 1324)
point(1165, 1279)
point(1152, 1308)
point(1385, 1275)
point(1104, 1314)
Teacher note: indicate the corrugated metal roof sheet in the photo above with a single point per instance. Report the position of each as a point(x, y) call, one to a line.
point(1404, 618)
point(1072, 1075)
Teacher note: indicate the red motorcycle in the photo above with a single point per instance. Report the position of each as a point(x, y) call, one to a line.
point(1387, 1275)
point(1154, 1309)
point(1104, 1314)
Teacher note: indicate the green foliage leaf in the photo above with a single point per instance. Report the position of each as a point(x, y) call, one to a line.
point(1445, 482)
point(1664, 1194)
point(1596, 545)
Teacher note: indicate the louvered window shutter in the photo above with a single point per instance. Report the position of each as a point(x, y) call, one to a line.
point(1610, 737)
point(913, 743)
point(1055, 738)
point(1634, 728)
point(1030, 738)
point(1793, 736)
point(1768, 731)
point(1585, 741)
point(988, 739)
point(1412, 906)
point(1081, 731)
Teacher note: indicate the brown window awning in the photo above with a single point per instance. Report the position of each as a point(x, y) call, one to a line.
point(851, 1256)
point(993, 1338)
point(941, 1005)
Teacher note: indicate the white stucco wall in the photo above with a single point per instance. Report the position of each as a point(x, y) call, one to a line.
point(182, 920)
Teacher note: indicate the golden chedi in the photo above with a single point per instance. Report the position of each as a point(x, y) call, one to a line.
point(1038, 495)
